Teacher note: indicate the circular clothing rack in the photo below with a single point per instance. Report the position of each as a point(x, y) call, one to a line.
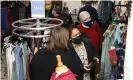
point(33, 27)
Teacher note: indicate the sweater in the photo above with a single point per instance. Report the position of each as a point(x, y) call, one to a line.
point(94, 33)
point(44, 63)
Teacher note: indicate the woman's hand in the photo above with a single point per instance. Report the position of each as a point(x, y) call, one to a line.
point(86, 68)
point(97, 59)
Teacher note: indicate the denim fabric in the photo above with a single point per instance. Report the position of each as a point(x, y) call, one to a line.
point(19, 63)
point(4, 20)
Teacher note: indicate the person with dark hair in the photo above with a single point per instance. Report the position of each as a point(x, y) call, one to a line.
point(44, 61)
point(57, 13)
point(85, 51)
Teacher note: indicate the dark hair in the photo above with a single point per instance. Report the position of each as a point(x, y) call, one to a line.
point(71, 29)
point(58, 41)
point(58, 10)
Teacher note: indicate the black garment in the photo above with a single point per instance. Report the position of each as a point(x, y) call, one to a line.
point(15, 14)
point(44, 63)
point(91, 10)
point(91, 52)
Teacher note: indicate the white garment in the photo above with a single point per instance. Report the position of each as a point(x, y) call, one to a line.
point(10, 59)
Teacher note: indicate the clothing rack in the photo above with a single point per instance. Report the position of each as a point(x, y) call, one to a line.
point(121, 21)
point(39, 24)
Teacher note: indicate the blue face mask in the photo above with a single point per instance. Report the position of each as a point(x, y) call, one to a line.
point(88, 24)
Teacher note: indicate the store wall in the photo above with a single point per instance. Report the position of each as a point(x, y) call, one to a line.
point(73, 5)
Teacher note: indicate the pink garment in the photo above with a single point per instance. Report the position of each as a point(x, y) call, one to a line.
point(65, 76)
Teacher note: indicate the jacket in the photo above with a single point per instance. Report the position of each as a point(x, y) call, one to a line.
point(91, 52)
point(44, 63)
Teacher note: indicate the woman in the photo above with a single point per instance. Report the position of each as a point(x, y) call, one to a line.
point(44, 61)
point(84, 49)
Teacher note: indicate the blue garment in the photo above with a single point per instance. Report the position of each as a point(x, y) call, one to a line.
point(118, 34)
point(121, 54)
point(19, 63)
point(4, 20)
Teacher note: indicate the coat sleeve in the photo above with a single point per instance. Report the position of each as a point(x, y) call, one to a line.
point(92, 49)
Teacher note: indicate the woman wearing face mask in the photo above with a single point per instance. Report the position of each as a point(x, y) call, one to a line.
point(91, 29)
point(85, 51)
point(93, 32)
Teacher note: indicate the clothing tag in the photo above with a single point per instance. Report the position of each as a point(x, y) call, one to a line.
point(38, 8)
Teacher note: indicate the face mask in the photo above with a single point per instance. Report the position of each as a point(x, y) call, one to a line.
point(77, 40)
point(48, 7)
point(88, 24)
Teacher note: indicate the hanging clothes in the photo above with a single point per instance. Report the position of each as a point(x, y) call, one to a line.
point(105, 10)
point(105, 69)
point(113, 38)
point(15, 59)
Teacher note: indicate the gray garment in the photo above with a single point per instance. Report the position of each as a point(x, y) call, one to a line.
point(105, 9)
point(25, 51)
point(106, 67)
point(81, 51)
point(3, 64)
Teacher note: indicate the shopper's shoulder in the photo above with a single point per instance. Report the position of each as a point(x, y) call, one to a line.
point(86, 40)
point(42, 52)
